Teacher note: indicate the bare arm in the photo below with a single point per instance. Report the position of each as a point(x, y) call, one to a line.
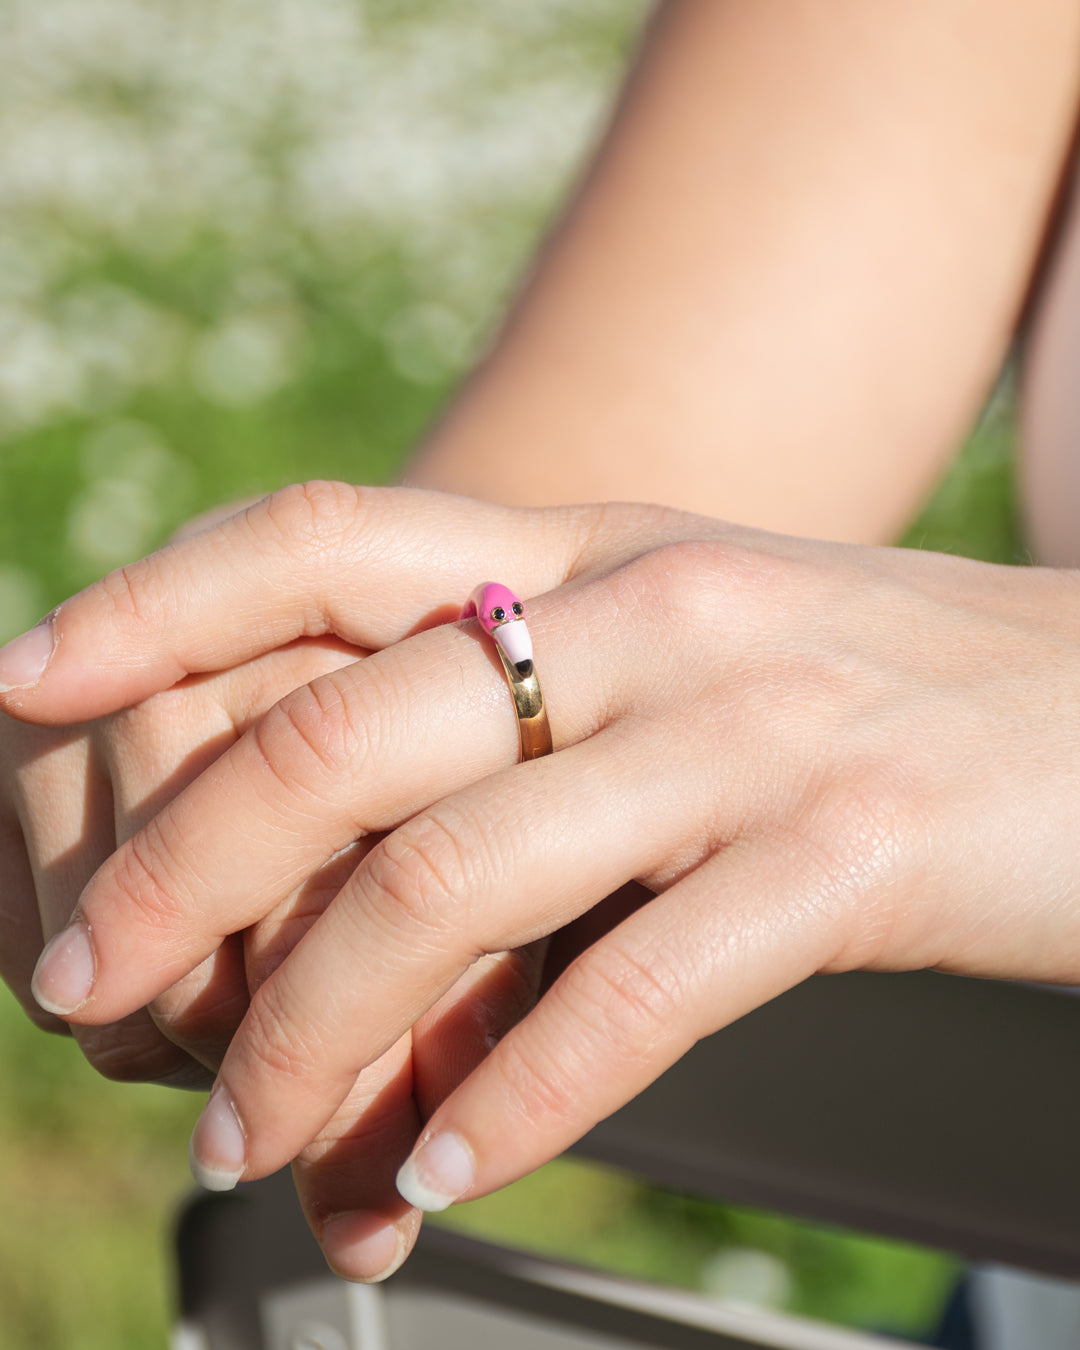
point(793, 270)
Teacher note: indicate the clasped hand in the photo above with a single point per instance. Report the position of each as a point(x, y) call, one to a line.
point(815, 757)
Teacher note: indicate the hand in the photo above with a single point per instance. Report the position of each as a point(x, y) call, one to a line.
point(70, 795)
point(820, 757)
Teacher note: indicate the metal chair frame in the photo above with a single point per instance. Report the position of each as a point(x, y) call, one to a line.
point(940, 1110)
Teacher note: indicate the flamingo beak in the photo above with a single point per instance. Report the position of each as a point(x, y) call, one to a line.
point(513, 637)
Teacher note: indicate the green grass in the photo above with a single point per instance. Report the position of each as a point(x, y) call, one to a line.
point(90, 1172)
point(347, 413)
point(973, 511)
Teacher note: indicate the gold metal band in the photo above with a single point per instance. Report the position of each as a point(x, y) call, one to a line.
point(534, 730)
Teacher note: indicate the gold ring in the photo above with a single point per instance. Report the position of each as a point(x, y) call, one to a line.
point(502, 616)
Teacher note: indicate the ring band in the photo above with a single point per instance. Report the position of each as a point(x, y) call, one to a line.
point(502, 616)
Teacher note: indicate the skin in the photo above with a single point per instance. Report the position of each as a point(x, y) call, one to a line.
point(791, 273)
point(1050, 409)
point(831, 833)
point(837, 250)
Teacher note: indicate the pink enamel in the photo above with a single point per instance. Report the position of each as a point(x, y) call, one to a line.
point(487, 596)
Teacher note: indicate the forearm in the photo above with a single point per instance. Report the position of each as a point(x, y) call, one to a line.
point(792, 271)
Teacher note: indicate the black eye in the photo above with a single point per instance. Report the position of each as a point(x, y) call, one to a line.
point(498, 613)
point(518, 608)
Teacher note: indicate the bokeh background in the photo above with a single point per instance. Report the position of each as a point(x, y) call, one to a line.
point(244, 242)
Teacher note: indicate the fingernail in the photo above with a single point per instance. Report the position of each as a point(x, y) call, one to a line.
point(437, 1173)
point(217, 1152)
point(23, 659)
point(64, 975)
point(362, 1246)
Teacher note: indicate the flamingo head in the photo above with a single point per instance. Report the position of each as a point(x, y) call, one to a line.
point(501, 615)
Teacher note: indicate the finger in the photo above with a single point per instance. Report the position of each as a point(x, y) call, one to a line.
point(268, 943)
point(736, 933)
point(70, 833)
point(423, 907)
point(150, 754)
point(366, 564)
point(65, 843)
point(572, 939)
point(134, 1050)
point(354, 752)
point(466, 1024)
point(200, 1013)
point(21, 939)
point(346, 1178)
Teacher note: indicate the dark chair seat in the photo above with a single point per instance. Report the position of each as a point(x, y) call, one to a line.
point(939, 1110)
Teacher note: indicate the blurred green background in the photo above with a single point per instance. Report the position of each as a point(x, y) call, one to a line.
point(244, 242)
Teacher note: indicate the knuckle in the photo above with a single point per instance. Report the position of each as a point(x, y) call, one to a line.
point(542, 1090)
point(316, 733)
point(627, 1005)
point(423, 875)
point(159, 726)
point(871, 825)
point(282, 1041)
point(692, 586)
point(314, 516)
point(200, 1017)
point(681, 588)
point(132, 1051)
point(623, 1011)
point(144, 876)
point(862, 840)
point(130, 596)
